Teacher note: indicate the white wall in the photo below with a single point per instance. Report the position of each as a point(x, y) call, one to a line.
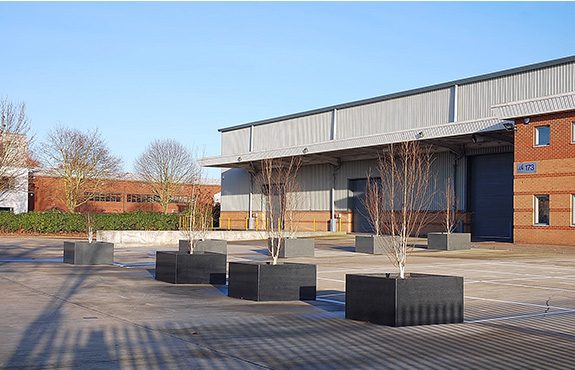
point(16, 199)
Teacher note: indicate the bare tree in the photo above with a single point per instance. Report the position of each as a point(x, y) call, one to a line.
point(280, 190)
point(81, 160)
point(200, 206)
point(14, 126)
point(451, 214)
point(166, 165)
point(398, 205)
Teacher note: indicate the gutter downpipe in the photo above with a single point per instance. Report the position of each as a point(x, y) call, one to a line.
point(457, 157)
point(333, 220)
point(250, 197)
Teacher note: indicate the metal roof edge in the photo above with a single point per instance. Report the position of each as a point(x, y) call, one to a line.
point(419, 90)
point(457, 128)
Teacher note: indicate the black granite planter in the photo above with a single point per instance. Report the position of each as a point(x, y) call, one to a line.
point(416, 300)
point(84, 253)
point(371, 244)
point(260, 281)
point(208, 245)
point(296, 247)
point(449, 242)
point(195, 268)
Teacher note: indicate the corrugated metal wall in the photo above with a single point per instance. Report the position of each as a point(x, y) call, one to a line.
point(311, 129)
point(475, 99)
point(236, 141)
point(235, 189)
point(421, 110)
point(350, 171)
point(316, 182)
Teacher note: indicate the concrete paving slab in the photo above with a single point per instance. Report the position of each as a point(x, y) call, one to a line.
point(519, 312)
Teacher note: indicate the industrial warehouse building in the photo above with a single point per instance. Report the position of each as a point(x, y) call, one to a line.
point(506, 138)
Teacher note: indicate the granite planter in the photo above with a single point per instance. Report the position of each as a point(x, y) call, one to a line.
point(196, 268)
point(296, 247)
point(419, 299)
point(208, 245)
point(84, 253)
point(261, 281)
point(448, 242)
point(371, 244)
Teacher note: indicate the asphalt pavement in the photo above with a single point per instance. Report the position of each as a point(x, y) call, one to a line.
point(519, 313)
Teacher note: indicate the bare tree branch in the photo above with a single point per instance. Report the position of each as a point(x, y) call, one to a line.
point(281, 194)
point(398, 205)
point(451, 214)
point(166, 165)
point(81, 160)
point(200, 207)
point(14, 128)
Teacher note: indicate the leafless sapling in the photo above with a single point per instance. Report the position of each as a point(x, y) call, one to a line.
point(398, 204)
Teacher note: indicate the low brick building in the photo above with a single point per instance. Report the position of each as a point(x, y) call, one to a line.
point(126, 193)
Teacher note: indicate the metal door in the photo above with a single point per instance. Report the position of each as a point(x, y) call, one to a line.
point(490, 187)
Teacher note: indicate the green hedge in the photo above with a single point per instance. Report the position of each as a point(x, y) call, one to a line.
point(63, 222)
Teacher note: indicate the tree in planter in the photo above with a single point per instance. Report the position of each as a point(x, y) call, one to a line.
point(166, 165)
point(451, 214)
point(14, 152)
point(398, 205)
point(81, 161)
point(401, 201)
point(258, 281)
point(280, 189)
point(200, 208)
point(450, 219)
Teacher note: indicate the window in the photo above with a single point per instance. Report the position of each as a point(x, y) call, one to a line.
point(573, 133)
point(573, 209)
point(542, 135)
point(105, 197)
point(542, 210)
point(142, 198)
point(180, 199)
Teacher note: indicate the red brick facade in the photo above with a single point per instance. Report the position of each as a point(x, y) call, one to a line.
point(554, 176)
point(115, 196)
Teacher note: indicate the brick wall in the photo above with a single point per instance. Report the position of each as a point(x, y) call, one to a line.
point(555, 177)
point(45, 191)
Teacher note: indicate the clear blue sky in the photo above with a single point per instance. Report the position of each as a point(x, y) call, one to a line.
point(145, 70)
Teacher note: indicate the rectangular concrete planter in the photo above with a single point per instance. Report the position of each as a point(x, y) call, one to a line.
point(208, 245)
point(371, 244)
point(84, 253)
point(416, 300)
point(196, 268)
point(448, 242)
point(296, 247)
point(260, 281)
